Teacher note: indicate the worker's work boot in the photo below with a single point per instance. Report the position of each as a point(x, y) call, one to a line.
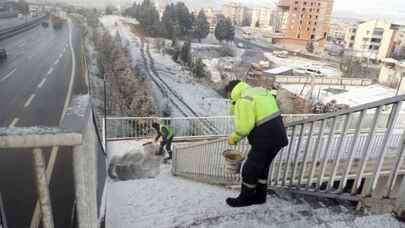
point(245, 198)
point(261, 193)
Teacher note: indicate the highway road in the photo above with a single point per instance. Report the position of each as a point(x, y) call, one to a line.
point(13, 21)
point(37, 81)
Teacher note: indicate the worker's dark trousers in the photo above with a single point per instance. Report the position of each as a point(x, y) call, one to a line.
point(168, 145)
point(257, 165)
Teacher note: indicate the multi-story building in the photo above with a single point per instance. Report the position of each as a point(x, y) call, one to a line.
point(236, 12)
point(304, 21)
point(337, 31)
point(373, 40)
point(261, 17)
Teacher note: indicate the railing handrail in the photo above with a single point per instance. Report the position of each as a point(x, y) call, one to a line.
point(359, 108)
point(70, 133)
point(194, 117)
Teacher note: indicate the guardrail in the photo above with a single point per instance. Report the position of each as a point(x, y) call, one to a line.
point(323, 80)
point(77, 132)
point(9, 32)
point(120, 128)
point(322, 158)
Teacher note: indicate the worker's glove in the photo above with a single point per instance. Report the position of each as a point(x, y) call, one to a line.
point(231, 141)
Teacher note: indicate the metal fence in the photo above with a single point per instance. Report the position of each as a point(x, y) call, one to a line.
point(323, 80)
point(118, 128)
point(323, 156)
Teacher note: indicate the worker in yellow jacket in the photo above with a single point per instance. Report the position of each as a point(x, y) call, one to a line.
point(257, 117)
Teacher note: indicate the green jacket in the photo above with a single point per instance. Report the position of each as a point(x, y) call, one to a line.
point(251, 107)
point(165, 132)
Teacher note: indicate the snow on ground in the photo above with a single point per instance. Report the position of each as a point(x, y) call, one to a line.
point(113, 23)
point(319, 93)
point(168, 201)
point(212, 65)
point(296, 62)
point(362, 95)
point(203, 99)
point(133, 159)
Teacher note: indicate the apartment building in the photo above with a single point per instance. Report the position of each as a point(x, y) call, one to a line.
point(261, 17)
point(236, 12)
point(337, 31)
point(373, 40)
point(304, 21)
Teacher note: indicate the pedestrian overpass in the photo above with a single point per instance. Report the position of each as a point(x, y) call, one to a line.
point(355, 155)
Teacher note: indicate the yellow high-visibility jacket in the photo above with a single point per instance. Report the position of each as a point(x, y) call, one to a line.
point(251, 107)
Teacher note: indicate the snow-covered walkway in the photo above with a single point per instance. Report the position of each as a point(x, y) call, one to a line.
point(169, 201)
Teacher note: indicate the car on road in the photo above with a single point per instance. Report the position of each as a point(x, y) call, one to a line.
point(45, 24)
point(3, 54)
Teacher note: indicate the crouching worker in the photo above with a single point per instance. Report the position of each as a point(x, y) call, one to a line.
point(257, 117)
point(167, 135)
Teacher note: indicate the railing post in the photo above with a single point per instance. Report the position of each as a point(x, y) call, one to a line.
point(103, 127)
point(44, 197)
point(400, 205)
point(85, 179)
point(396, 107)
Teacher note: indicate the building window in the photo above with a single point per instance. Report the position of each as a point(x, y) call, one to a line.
point(310, 16)
point(368, 32)
point(352, 38)
point(309, 23)
point(317, 10)
point(308, 29)
point(301, 22)
point(366, 39)
point(312, 3)
point(350, 45)
point(310, 9)
point(312, 36)
point(316, 16)
point(295, 8)
point(305, 3)
point(315, 23)
point(303, 9)
point(296, 2)
point(375, 40)
point(314, 29)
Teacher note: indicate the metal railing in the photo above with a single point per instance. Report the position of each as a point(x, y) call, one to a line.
point(324, 156)
point(323, 80)
point(120, 128)
point(76, 131)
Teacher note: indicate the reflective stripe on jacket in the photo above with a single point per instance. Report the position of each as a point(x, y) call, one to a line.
point(251, 107)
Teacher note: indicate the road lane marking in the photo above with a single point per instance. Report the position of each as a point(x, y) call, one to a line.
point(42, 83)
point(56, 62)
point(55, 150)
point(50, 71)
point(28, 102)
point(60, 56)
point(15, 121)
point(8, 75)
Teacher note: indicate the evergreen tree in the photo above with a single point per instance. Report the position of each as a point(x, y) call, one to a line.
point(185, 54)
point(184, 18)
point(230, 30)
point(220, 30)
point(198, 69)
point(201, 27)
point(170, 23)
